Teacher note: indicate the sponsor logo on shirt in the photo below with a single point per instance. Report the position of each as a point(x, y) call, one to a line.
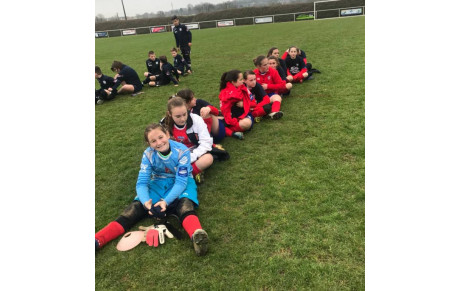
point(294, 70)
point(144, 168)
point(183, 160)
point(182, 172)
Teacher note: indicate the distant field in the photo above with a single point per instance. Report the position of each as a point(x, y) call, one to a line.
point(287, 210)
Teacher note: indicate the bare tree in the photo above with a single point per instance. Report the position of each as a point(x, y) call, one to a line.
point(100, 18)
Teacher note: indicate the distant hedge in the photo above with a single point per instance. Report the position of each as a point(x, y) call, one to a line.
point(228, 14)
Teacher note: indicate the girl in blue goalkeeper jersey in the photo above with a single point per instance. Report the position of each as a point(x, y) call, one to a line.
point(165, 185)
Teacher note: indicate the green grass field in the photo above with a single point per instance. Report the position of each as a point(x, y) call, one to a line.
point(286, 212)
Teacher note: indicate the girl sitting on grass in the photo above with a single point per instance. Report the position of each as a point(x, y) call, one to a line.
point(209, 113)
point(273, 62)
point(296, 66)
point(275, 52)
point(164, 185)
point(190, 130)
point(265, 104)
point(235, 104)
point(269, 78)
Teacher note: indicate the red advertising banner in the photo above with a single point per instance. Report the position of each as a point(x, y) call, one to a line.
point(157, 29)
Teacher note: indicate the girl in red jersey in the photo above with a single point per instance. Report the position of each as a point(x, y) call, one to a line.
point(209, 113)
point(275, 52)
point(235, 104)
point(190, 130)
point(265, 104)
point(269, 77)
point(273, 62)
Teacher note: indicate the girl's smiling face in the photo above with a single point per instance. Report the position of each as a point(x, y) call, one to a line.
point(158, 140)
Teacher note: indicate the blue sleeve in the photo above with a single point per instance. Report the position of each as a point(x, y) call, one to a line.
point(182, 173)
point(143, 179)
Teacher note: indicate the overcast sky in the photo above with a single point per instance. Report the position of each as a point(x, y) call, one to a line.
point(109, 8)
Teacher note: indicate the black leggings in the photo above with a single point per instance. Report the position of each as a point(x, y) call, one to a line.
point(135, 212)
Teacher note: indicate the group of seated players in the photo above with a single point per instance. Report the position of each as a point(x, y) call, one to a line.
point(159, 72)
point(188, 137)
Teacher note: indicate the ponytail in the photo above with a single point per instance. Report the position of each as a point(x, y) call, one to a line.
point(230, 76)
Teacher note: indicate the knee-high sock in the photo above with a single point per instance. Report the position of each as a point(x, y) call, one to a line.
point(208, 122)
point(190, 224)
point(276, 106)
point(195, 169)
point(108, 233)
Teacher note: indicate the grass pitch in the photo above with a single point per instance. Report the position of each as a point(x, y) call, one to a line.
point(287, 210)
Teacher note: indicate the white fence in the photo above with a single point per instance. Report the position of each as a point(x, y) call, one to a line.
point(255, 20)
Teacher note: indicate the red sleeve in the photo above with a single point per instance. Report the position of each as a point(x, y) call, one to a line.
point(230, 120)
point(284, 55)
point(305, 60)
point(226, 103)
point(278, 83)
point(214, 110)
point(265, 100)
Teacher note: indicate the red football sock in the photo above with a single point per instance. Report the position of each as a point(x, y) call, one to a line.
point(276, 106)
point(195, 169)
point(208, 122)
point(108, 233)
point(190, 224)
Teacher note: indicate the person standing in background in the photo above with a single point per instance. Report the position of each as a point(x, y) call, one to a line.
point(183, 39)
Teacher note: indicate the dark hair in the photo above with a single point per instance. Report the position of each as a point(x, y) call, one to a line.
point(174, 17)
point(116, 65)
point(186, 94)
point(174, 50)
point(173, 103)
point(230, 76)
point(151, 53)
point(270, 51)
point(276, 60)
point(98, 70)
point(247, 73)
point(293, 46)
point(257, 61)
point(163, 59)
point(151, 127)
